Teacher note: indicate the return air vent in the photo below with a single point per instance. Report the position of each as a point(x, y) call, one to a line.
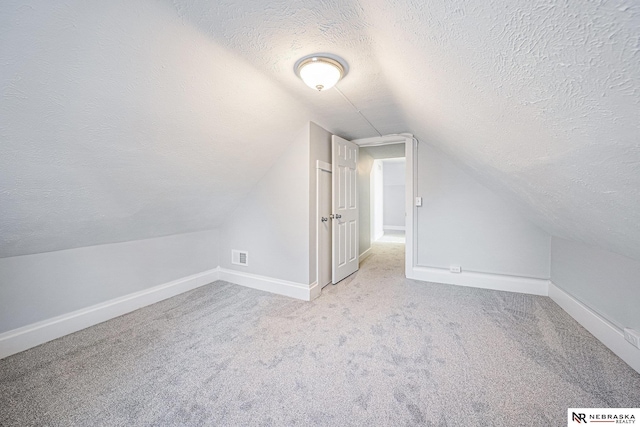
point(239, 257)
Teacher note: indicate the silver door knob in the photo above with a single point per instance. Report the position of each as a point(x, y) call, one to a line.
point(324, 219)
point(338, 216)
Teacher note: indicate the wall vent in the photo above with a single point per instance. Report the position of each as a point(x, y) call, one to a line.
point(239, 257)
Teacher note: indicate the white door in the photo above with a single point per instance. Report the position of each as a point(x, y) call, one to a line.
point(344, 224)
point(324, 224)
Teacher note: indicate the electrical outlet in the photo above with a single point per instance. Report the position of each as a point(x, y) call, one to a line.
point(632, 336)
point(455, 269)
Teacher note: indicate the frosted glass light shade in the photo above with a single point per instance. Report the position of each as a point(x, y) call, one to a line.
point(320, 73)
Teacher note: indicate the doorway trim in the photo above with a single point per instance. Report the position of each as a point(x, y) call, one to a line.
point(320, 167)
point(410, 144)
point(376, 208)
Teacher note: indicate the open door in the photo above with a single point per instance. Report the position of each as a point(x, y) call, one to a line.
point(344, 227)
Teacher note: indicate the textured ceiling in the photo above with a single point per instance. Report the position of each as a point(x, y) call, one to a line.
point(123, 120)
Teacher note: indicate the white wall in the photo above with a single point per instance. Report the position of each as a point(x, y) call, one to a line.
point(463, 223)
point(606, 282)
point(41, 286)
point(393, 193)
point(272, 222)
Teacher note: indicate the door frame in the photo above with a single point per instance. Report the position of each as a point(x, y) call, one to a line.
point(410, 144)
point(320, 168)
point(376, 179)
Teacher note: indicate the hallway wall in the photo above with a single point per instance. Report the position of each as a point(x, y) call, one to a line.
point(393, 194)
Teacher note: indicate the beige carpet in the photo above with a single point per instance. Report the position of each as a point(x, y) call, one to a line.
point(374, 350)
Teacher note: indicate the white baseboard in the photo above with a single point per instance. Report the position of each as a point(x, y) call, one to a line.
point(269, 284)
point(314, 291)
point(394, 227)
point(364, 255)
point(20, 339)
point(498, 282)
point(605, 331)
point(26, 337)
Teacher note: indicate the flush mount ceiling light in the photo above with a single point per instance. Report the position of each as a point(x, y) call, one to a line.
point(321, 71)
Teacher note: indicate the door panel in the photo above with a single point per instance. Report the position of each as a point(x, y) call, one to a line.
point(342, 253)
point(345, 208)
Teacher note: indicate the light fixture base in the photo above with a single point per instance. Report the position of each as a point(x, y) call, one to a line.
point(321, 71)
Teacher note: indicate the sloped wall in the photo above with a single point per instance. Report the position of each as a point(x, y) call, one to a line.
point(122, 121)
point(606, 282)
point(463, 223)
point(538, 101)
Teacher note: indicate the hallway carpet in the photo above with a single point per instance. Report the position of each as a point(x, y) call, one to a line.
point(374, 350)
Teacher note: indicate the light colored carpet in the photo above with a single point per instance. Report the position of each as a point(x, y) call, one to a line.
point(374, 350)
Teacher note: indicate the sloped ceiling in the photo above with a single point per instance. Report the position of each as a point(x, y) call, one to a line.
point(124, 120)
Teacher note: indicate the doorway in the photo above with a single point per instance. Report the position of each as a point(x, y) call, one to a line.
point(337, 213)
point(387, 201)
point(382, 185)
point(371, 228)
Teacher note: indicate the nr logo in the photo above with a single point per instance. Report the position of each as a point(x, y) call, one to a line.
point(579, 418)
